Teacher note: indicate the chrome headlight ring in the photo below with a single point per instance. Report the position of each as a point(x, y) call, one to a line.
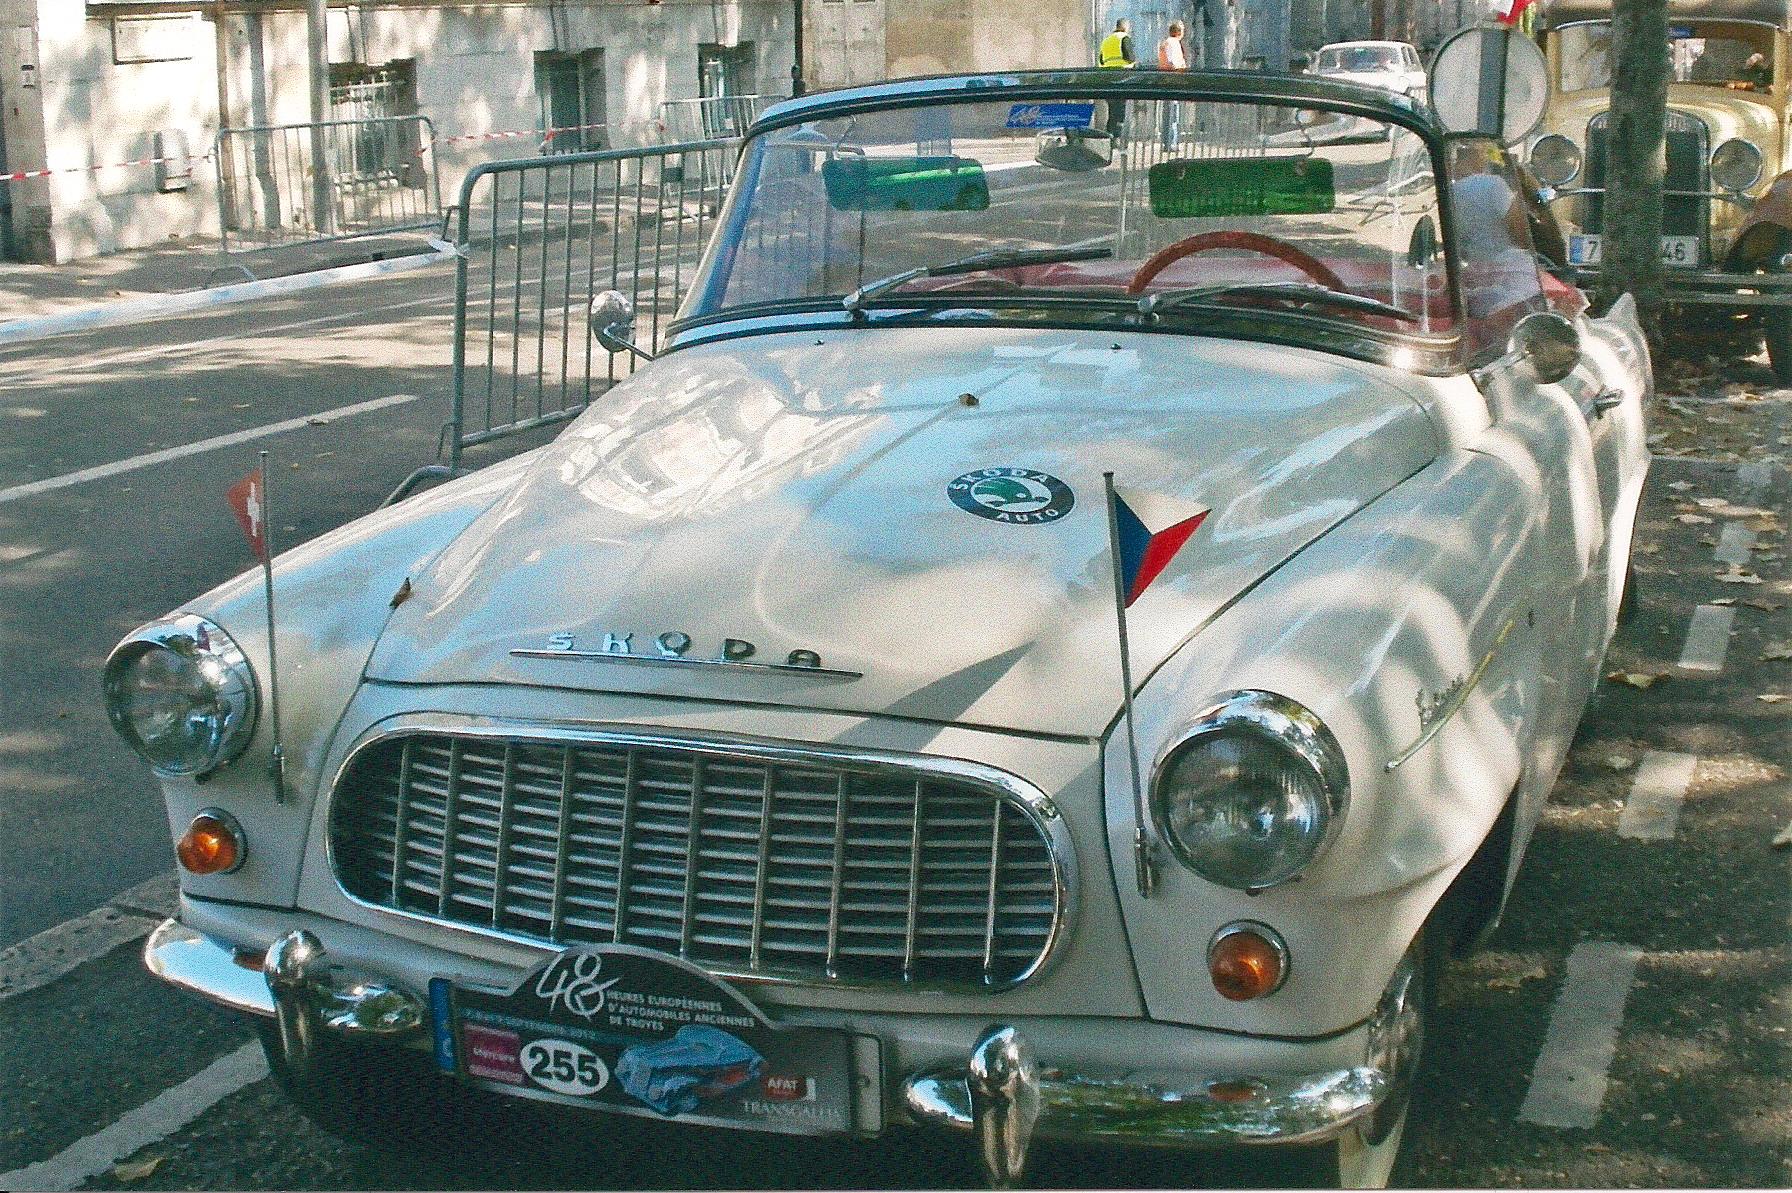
point(181, 693)
point(1555, 160)
point(1736, 165)
point(1279, 824)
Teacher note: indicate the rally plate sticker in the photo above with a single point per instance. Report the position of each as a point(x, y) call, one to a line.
point(632, 1031)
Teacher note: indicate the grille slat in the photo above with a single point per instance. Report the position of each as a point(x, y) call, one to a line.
point(781, 869)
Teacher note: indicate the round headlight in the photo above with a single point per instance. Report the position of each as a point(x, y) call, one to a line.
point(180, 692)
point(1736, 165)
point(1253, 794)
point(1555, 160)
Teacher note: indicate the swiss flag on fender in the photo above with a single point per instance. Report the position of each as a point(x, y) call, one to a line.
point(248, 502)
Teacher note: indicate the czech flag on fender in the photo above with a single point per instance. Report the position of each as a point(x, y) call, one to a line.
point(1143, 553)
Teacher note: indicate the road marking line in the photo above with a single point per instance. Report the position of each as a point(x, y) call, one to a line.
point(149, 1123)
point(1568, 1083)
point(41, 959)
point(1734, 544)
point(204, 445)
point(1652, 810)
point(1707, 638)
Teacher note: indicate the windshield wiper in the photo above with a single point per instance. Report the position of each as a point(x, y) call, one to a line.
point(991, 259)
point(1312, 292)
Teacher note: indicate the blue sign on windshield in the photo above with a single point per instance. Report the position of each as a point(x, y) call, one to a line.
point(1052, 115)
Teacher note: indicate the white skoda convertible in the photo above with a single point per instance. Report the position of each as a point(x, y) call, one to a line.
point(1065, 639)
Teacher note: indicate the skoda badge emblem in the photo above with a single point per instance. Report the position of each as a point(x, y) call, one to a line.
point(1024, 496)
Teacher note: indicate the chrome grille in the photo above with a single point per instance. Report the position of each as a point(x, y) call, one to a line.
point(747, 863)
point(1685, 211)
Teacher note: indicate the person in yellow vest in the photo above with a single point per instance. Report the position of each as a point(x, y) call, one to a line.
point(1115, 53)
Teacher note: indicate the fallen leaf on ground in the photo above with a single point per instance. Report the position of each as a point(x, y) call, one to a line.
point(1776, 651)
point(1649, 549)
point(1783, 838)
point(1708, 540)
point(1600, 1148)
point(1724, 601)
point(1764, 606)
point(1693, 519)
point(1773, 697)
point(1738, 577)
point(136, 1170)
point(1680, 486)
point(1639, 680)
point(1513, 981)
point(1711, 503)
point(1617, 762)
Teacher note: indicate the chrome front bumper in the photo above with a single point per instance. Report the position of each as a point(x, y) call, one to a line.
point(1001, 1094)
point(294, 983)
point(1006, 1099)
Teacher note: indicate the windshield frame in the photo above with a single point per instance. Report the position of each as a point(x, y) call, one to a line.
point(1433, 354)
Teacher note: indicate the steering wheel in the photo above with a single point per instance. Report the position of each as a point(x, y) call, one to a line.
point(1254, 242)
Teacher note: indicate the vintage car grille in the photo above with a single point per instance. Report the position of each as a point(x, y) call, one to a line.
point(1688, 171)
point(803, 868)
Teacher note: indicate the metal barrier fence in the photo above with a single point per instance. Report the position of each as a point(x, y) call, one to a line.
point(540, 237)
point(711, 118)
point(379, 175)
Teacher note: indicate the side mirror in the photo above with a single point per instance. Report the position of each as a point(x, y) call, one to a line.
point(612, 321)
point(1422, 249)
point(1548, 343)
point(1489, 82)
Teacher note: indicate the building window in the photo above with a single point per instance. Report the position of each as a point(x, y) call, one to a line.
point(572, 91)
point(382, 140)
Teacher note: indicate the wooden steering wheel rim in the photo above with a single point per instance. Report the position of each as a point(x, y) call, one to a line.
point(1254, 242)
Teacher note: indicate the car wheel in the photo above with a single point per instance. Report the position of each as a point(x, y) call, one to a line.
point(1363, 1157)
point(377, 1095)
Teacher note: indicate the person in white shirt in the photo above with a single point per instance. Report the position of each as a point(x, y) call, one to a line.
point(1170, 56)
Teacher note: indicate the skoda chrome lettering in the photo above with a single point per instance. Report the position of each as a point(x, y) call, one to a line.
point(672, 648)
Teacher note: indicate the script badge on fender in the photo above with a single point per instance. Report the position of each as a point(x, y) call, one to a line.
point(1020, 496)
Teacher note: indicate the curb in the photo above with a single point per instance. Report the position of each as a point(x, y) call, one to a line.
point(161, 306)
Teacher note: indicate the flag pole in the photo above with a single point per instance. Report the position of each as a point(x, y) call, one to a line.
point(277, 764)
point(1143, 862)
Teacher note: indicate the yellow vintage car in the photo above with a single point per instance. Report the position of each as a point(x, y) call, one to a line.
point(1726, 236)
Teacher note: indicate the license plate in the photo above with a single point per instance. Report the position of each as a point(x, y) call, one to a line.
point(1675, 250)
point(630, 1031)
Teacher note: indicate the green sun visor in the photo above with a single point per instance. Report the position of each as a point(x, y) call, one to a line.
point(1189, 188)
point(905, 184)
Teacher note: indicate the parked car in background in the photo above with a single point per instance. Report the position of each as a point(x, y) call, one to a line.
point(1727, 210)
point(764, 754)
point(1389, 65)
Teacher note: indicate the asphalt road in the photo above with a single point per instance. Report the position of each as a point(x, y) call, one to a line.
point(1695, 923)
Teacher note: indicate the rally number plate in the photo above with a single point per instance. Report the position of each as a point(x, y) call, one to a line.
point(1676, 251)
point(631, 1031)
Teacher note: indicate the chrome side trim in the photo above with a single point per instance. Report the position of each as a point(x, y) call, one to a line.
point(1457, 697)
point(1029, 799)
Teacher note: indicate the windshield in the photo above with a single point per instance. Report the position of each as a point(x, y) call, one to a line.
point(1728, 54)
point(1083, 208)
point(1359, 58)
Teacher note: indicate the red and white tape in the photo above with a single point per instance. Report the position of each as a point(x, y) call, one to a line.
point(543, 135)
point(142, 161)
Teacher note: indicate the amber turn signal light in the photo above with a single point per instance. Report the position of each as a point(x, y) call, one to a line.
point(212, 844)
point(1247, 960)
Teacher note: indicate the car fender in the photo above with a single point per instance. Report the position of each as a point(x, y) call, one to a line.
point(332, 596)
point(1767, 230)
point(1420, 601)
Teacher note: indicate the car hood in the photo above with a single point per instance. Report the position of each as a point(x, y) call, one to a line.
point(792, 491)
point(1726, 114)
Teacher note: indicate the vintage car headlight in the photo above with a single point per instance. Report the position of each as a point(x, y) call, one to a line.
point(182, 694)
point(1253, 793)
point(1736, 165)
point(1555, 160)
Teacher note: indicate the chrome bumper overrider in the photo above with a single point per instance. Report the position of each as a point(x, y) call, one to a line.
point(295, 984)
point(1001, 1094)
point(1005, 1099)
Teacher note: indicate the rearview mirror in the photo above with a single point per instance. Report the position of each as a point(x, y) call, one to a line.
point(1548, 343)
point(612, 321)
point(1075, 150)
point(1489, 82)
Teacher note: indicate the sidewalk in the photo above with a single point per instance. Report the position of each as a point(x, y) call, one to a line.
point(31, 291)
